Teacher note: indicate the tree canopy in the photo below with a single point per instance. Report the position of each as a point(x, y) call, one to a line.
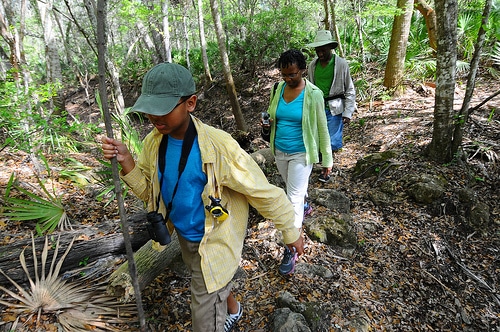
point(47, 46)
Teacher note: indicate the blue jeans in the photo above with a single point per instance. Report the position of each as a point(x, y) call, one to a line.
point(335, 129)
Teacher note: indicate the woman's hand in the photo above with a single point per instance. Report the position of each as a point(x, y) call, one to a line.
point(325, 171)
point(325, 174)
point(112, 148)
point(298, 245)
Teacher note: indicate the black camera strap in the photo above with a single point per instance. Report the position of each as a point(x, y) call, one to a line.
point(339, 96)
point(187, 144)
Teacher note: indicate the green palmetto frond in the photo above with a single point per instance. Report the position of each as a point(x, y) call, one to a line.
point(75, 171)
point(105, 183)
point(49, 212)
point(496, 54)
point(462, 66)
point(76, 306)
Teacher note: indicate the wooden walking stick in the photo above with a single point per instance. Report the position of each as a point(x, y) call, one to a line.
point(101, 55)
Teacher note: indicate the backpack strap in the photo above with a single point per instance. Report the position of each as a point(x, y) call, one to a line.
point(275, 86)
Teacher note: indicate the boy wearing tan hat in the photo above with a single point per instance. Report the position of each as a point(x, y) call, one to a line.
point(331, 74)
point(199, 180)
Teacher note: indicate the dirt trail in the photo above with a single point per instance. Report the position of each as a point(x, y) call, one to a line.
point(394, 280)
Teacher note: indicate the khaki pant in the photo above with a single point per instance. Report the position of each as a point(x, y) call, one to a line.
point(208, 311)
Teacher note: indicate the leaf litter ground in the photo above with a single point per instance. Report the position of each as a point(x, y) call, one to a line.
point(415, 268)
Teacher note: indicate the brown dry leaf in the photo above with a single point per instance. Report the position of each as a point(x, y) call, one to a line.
point(8, 317)
point(82, 237)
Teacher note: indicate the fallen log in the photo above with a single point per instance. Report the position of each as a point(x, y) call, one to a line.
point(150, 263)
point(91, 244)
point(98, 253)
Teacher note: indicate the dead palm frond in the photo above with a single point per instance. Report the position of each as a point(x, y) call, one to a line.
point(76, 306)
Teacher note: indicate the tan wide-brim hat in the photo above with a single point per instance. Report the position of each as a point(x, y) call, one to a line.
point(323, 37)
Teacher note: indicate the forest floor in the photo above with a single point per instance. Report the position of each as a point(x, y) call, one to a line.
point(415, 268)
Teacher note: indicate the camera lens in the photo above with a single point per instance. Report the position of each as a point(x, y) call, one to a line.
point(157, 228)
point(154, 217)
point(216, 211)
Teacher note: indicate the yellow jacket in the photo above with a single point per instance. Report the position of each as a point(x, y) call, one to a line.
point(232, 176)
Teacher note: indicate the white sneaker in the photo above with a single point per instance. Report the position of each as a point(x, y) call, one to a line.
point(232, 319)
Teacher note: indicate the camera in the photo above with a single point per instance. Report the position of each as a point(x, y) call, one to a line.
point(265, 118)
point(157, 228)
point(217, 211)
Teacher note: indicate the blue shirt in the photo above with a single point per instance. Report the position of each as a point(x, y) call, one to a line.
point(241, 182)
point(187, 215)
point(289, 138)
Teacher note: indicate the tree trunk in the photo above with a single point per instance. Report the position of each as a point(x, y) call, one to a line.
point(111, 70)
point(185, 33)
point(14, 38)
point(430, 21)
point(326, 19)
point(119, 101)
point(101, 57)
point(340, 49)
point(358, 17)
point(231, 89)
point(395, 66)
point(463, 115)
point(150, 264)
point(166, 31)
point(148, 42)
point(442, 134)
point(52, 59)
point(4, 63)
point(203, 41)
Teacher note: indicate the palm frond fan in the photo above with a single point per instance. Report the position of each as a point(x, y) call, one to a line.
point(51, 301)
point(496, 54)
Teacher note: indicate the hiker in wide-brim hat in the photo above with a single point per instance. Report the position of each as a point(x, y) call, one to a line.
point(331, 74)
point(323, 38)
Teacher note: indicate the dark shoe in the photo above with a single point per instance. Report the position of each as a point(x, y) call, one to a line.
point(232, 319)
point(288, 263)
point(307, 209)
point(323, 178)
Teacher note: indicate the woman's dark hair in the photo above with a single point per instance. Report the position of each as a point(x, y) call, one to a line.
point(291, 57)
